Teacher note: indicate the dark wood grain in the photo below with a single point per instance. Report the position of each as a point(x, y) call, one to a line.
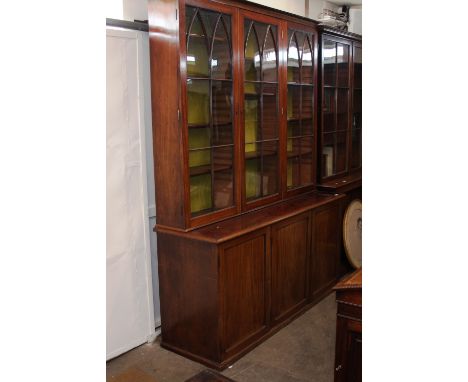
point(167, 138)
point(326, 234)
point(188, 295)
point(290, 254)
point(244, 289)
point(348, 354)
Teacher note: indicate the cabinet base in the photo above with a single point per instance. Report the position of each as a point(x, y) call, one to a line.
point(229, 361)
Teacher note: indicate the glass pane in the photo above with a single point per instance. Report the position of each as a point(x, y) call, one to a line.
point(328, 111)
point(342, 109)
point(328, 154)
point(306, 169)
point(343, 65)
point(200, 193)
point(307, 145)
point(293, 172)
point(270, 111)
point(221, 57)
point(197, 49)
point(294, 147)
point(307, 62)
point(199, 159)
point(251, 115)
point(357, 67)
point(329, 63)
point(270, 167)
point(252, 178)
point(293, 58)
point(307, 102)
point(269, 64)
point(356, 148)
point(307, 127)
point(198, 102)
point(294, 129)
point(223, 177)
point(221, 105)
point(199, 137)
point(294, 102)
point(252, 53)
point(341, 152)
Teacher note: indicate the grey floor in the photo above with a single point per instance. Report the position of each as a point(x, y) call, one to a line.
point(302, 351)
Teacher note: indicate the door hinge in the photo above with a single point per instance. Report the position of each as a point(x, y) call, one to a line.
point(178, 114)
point(176, 14)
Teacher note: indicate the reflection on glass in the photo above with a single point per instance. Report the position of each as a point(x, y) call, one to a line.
point(307, 71)
point(269, 63)
point(293, 58)
point(221, 55)
point(252, 53)
point(221, 102)
point(252, 178)
point(341, 152)
point(197, 49)
point(356, 148)
point(343, 65)
point(329, 63)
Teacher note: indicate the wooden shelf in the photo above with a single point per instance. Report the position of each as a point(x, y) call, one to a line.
point(206, 169)
point(296, 153)
point(257, 154)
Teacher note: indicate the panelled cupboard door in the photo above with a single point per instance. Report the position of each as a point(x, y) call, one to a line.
point(244, 270)
point(209, 81)
point(260, 97)
point(289, 260)
point(326, 237)
point(301, 108)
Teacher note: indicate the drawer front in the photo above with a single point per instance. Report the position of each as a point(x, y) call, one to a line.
point(244, 290)
point(289, 259)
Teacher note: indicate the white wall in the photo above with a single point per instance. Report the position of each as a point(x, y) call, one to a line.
point(129, 289)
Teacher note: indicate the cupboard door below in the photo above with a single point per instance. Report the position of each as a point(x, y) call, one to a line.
point(326, 240)
point(244, 290)
point(290, 250)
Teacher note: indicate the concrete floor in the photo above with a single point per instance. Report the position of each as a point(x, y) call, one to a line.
point(302, 351)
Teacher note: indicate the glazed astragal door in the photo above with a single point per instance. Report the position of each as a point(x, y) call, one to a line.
point(301, 107)
point(336, 96)
point(210, 110)
point(261, 117)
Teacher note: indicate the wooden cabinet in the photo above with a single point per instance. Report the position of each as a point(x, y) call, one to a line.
point(340, 116)
point(245, 241)
point(348, 353)
point(227, 286)
point(234, 108)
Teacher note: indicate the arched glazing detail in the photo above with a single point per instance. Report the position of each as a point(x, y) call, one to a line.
point(300, 110)
point(209, 110)
point(261, 118)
